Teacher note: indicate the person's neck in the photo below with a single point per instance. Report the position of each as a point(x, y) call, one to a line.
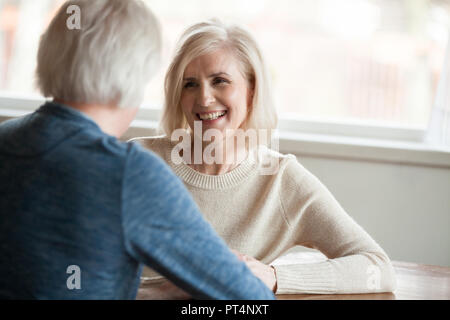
point(111, 119)
point(232, 157)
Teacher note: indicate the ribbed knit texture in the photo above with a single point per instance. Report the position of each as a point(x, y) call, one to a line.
point(205, 181)
point(265, 215)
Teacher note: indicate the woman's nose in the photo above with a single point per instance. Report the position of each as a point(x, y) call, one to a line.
point(206, 97)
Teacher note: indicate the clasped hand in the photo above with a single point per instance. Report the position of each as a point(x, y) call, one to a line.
point(167, 290)
point(264, 272)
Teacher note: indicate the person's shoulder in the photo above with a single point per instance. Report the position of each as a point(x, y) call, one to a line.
point(287, 166)
point(7, 128)
point(278, 162)
point(270, 153)
point(140, 155)
point(157, 144)
point(11, 126)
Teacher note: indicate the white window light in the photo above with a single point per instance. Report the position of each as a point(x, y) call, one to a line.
point(322, 17)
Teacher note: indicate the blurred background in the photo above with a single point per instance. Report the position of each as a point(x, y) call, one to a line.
point(352, 60)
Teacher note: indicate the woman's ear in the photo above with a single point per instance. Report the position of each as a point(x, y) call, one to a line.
point(250, 95)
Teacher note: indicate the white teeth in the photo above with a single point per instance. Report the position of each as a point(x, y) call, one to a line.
point(211, 116)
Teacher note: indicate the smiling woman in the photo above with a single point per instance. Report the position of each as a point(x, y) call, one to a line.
point(259, 215)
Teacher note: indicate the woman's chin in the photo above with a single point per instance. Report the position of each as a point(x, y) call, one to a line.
point(218, 124)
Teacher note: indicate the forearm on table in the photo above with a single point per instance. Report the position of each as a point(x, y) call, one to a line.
point(358, 273)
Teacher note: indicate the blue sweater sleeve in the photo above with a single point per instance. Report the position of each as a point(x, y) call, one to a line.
point(164, 229)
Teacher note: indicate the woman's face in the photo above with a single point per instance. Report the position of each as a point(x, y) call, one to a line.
point(215, 92)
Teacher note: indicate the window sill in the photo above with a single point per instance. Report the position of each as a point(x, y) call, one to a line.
point(325, 146)
point(341, 147)
point(364, 149)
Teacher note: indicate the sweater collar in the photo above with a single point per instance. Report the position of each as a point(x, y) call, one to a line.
point(205, 181)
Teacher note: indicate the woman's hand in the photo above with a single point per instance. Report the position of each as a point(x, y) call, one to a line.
point(264, 272)
point(167, 290)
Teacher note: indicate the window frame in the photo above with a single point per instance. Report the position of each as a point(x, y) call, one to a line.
point(303, 138)
point(12, 105)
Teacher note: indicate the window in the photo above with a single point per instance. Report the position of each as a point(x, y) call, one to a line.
point(357, 61)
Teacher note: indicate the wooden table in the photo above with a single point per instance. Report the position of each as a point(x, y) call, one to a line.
point(414, 282)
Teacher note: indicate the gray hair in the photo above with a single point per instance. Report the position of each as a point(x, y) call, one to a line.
point(206, 37)
point(109, 60)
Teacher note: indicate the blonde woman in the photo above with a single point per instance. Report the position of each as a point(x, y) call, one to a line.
point(218, 79)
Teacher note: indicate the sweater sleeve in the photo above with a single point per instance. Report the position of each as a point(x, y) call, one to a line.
point(356, 263)
point(163, 228)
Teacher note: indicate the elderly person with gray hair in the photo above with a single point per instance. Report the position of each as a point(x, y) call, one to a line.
point(80, 211)
point(217, 85)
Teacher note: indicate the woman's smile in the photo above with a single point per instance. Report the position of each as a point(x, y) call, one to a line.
point(210, 117)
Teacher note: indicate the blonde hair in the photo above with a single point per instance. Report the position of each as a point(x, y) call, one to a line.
point(206, 37)
point(108, 60)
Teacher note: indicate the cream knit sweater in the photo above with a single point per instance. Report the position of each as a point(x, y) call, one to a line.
point(265, 215)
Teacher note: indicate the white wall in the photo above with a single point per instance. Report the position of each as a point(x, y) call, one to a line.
point(405, 208)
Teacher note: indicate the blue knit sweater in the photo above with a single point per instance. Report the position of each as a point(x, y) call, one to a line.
point(80, 212)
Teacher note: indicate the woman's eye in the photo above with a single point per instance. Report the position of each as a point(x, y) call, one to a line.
point(189, 84)
point(220, 81)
